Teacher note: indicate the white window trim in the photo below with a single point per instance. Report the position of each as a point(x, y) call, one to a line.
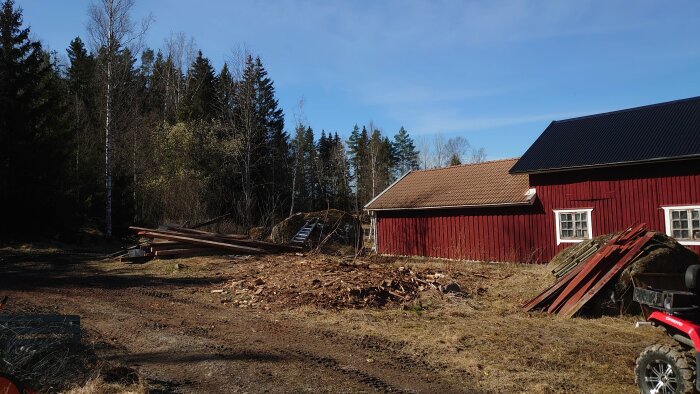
point(667, 220)
point(556, 223)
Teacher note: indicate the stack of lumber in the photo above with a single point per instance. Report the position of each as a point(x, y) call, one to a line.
point(170, 241)
point(584, 252)
point(584, 280)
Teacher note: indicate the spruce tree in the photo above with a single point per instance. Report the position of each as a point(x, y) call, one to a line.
point(406, 153)
point(339, 174)
point(358, 153)
point(226, 95)
point(271, 117)
point(87, 159)
point(201, 92)
point(33, 144)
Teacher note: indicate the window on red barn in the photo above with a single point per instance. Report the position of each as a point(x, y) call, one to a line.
point(683, 223)
point(573, 225)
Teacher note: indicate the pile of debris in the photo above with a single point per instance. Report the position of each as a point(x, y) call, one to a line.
point(325, 283)
point(171, 241)
point(331, 225)
point(584, 270)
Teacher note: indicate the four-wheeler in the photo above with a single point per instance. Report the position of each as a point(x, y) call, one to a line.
point(666, 369)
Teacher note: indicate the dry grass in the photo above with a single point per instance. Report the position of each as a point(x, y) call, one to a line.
point(492, 341)
point(486, 338)
point(99, 386)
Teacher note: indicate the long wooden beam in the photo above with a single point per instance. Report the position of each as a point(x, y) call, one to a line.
point(187, 252)
point(234, 240)
point(198, 241)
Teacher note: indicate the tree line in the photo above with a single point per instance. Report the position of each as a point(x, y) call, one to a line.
point(119, 134)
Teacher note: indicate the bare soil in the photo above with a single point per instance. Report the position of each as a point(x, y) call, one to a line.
point(293, 323)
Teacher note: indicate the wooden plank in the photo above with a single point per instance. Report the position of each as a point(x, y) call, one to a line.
point(224, 239)
point(552, 290)
point(588, 273)
point(594, 269)
point(186, 251)
point(201, 232)
point(581, 284)
point(569, 311)
point(172, 237)
point(175, 245)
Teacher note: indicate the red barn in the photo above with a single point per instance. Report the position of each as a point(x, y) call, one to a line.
point(581, 178)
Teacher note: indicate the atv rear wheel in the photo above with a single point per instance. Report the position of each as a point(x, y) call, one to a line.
point(663, 369)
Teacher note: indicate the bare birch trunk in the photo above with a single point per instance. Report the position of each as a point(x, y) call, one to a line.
point(108, 118)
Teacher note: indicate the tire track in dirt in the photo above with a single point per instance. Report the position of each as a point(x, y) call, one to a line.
point(311, 348)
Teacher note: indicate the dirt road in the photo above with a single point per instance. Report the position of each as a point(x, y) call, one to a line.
point(162, 319)
point(184, 340)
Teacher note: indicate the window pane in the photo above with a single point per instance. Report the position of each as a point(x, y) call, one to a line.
point(696, 214)
point(573, 225)
point(675, 215)
point(679, 224)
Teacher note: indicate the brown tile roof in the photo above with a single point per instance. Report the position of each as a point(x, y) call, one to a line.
point(487, 183)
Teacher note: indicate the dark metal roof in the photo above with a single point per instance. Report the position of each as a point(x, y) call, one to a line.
point(665, 131)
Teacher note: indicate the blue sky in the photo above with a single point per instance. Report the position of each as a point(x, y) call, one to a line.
point(494, 72)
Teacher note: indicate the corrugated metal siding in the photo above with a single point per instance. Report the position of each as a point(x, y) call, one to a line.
point(619, 197)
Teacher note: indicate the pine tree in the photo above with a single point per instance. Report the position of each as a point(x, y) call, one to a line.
point(33, 144)
point(406, 153)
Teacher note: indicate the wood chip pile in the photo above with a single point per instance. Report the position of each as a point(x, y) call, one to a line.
point(585, 273)
point(327, 284)
point(170, 241)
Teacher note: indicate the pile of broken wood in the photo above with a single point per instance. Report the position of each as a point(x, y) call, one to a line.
point(172, 241)
point(587, 272)
point(331, 283)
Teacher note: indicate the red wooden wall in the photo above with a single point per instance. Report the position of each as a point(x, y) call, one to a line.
point(619, 197)
point(488, 234)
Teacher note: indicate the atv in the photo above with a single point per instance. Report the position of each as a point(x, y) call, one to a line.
point(667, 369)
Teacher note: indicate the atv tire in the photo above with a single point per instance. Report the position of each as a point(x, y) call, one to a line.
point(663, 369)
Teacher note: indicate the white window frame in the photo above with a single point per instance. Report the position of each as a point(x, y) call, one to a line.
point(667, 220)
point(588, 212)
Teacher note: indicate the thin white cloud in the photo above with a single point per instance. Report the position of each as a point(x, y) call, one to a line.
point(413, 94)
point(440, 122)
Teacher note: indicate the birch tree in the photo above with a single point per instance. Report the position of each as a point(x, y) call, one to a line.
point(112, 30)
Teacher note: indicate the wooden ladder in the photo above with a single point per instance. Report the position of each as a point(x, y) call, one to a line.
point(305, 232)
